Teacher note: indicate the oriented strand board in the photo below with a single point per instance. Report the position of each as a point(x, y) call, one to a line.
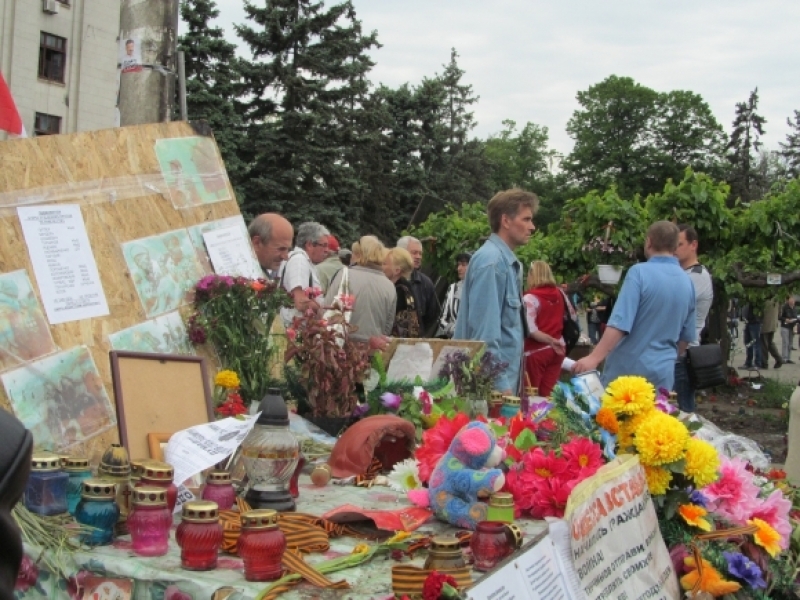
point(116, 178)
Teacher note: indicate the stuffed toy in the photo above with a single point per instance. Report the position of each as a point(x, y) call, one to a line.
point(463, 473)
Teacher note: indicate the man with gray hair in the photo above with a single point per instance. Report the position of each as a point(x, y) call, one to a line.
point(298, 274)
point(271, 236)
point(422, 287)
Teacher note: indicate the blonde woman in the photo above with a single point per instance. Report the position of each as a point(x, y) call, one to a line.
point(398, 266)
point(544, 311)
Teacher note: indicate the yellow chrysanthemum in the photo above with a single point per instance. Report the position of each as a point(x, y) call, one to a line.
point(629, 395)
point(693, 515)
point(660, 439)
point(766, 537)
point(710, 580)
point(702, 462)
point(628, 427)
point(606, 418)
point(227, 379)
point(658, 480)
point(360, 549)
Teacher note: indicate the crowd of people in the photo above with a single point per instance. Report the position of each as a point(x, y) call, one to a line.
point(660, 311)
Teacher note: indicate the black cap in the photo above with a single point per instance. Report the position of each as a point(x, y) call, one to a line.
point(273, 409)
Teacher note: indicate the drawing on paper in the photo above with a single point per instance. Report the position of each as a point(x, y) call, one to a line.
point(164, 335)
point(24, 332)
point(193, 171)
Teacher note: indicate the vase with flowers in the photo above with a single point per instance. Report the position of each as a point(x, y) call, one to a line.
point(473, 377)
point(234, 315)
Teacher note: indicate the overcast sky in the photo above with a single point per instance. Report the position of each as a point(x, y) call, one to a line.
point(527, 59)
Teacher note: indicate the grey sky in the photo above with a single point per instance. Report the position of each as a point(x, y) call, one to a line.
point(527, 59)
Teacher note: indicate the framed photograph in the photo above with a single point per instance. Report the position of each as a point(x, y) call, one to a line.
point(158, 392)
point(157, 442)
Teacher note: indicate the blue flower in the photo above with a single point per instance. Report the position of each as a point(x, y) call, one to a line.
point(745, 569)
point(698, 498)
point(391, 401)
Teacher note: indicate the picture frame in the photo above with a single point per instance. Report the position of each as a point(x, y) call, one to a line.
point(157, 443)
point(158, 392)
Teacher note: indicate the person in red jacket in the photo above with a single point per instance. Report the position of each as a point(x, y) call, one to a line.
point(544, 311)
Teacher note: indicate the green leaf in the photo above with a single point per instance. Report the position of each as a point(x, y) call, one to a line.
point(525, 440)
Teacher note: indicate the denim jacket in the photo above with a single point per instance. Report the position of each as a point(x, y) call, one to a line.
point(491, 308)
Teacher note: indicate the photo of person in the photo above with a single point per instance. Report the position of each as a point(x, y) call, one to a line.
point(164, 335)
point(164, 269)
point(130, 55)
point(60, 398)
point(192, 170)
point(24, 331)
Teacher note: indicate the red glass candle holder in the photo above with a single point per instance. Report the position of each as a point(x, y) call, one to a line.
point(294, 488)
point(490, 544)
point(261, 545)
point(219, 489)
point(199, 535)
point(149, 521)
point(159, 474)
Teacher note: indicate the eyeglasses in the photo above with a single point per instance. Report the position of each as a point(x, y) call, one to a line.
point(319, 244)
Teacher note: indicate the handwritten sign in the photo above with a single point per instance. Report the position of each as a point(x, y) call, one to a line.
point(231, 253)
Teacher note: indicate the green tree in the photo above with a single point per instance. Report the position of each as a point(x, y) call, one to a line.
point(748, 126)
point(213, 79)
point(306, 84)
point(791, 149)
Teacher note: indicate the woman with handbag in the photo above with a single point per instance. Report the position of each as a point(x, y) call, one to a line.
point(398, 266)
point(545, 348)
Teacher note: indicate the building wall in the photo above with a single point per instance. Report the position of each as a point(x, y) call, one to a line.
point(87, 98)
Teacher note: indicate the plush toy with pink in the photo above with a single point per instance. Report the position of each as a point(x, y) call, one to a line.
point(463, 474)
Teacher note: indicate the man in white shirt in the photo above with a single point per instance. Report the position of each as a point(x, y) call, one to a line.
point(686, 253)
point(298, 274)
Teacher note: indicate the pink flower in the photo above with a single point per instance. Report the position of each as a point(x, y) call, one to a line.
point(584, 455)
point(291, 333)
point(28, 574)
point(774, 510)
point(391, 401)
point(425, 399)
point(551, 499)
point(733, 496)
point(312, 292)
point(348, 301)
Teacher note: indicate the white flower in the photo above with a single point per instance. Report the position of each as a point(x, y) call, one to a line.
point(405, 476)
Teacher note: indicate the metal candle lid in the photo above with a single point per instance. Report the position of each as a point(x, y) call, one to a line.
point(200, 511)
point(531, 391)
point(98, 489)
point(157, 471)
point(501, 500)
point(76, 463)
point(496, 397)
point(136, 466)
point(44, 461)
point(260, 519)
point(149, 496)
point(218, 478)
point(445, 543)
point(115, 462)
point(512, 400)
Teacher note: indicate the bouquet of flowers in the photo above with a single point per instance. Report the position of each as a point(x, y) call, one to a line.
point(227, 400)
point(473, 375)
point(234, 315)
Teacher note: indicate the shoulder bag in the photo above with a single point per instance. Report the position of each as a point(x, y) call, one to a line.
point(705, 366)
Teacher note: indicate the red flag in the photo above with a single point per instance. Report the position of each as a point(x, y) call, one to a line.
point(10, 120)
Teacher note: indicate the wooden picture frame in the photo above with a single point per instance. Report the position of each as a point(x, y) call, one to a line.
point(158, 392)
point(156, 443)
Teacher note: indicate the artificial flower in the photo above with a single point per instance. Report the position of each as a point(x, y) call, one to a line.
point(291, 333)
point(709, 580)
point(697, 497)
point(312, 292)
point(233, 406)
point(359, 411)
point(27, 575)
point(629, 395)
point(425, 399)
point(702, 462)
point(660, 439)
point(606, 418)
point(405, 476)
point(585, 454)
point(258, 285)
point(766, 537)
point(439, 584)
point(693, 515)
point(551, 498)
point(544, 464)
point(733, 496)
point(360, 549)
point(658, 479)
point(776, 474)
point(774, 510)
point(436, 442)
point(391, 401)
point(663, 404)
point(227, 379)
point(677, 554)
point(745, 569)
point(628, 427)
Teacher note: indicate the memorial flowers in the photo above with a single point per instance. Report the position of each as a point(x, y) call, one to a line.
point(228, 401)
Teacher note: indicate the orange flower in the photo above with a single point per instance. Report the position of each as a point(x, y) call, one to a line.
point(606, 418)
point(693, 515)
point(766, 537)
point(710, 580)
point(257, 286)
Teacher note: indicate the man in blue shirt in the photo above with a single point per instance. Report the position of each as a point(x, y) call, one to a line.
point(653, 319)
point(491, 299)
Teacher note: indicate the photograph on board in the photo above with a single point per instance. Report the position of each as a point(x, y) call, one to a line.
point(24, 331)
point(193, 171)
point(163, 335)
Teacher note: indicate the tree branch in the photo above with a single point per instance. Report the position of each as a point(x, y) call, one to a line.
point(759, 280)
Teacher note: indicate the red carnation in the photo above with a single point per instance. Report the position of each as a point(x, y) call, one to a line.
point(437, 585)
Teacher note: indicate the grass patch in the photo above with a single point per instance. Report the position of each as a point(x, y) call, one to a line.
point(774, 394)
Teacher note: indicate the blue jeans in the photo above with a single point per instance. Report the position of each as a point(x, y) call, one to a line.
point(594, 332)
point(752, 339)
point(682, 387)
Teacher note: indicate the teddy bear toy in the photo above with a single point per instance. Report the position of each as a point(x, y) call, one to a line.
point(461, 475)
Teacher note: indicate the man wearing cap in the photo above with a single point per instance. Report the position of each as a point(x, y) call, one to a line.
point(271, 236)
point(330, 266)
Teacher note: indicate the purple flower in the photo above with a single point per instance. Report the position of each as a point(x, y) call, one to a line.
point(698, 498)
point(360, 410)
point(206, 282)
point(745, 569)
point(662, 403)
point(391, 401)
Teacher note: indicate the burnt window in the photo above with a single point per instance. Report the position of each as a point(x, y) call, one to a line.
point(52, 57)
point(46, 124)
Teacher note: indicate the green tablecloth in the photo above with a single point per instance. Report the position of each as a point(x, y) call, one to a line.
point(162, 577)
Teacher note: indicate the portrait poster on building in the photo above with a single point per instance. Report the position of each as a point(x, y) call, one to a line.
point(24, 332)
point(193, 171)
point(60, 398)
point(163, 335)
point(130, 54)
point(164, 270)
point(63, 262)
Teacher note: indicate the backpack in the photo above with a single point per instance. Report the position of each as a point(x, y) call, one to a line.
point(570, 331)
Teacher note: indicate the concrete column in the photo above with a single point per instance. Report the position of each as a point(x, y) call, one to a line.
point(793, 452)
